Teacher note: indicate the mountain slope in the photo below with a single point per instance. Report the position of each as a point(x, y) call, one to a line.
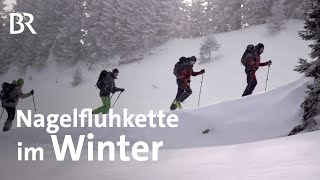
point(273, 114)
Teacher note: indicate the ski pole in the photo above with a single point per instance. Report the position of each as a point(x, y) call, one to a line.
point(116, 99)
point(200, 91)
point(34, 104)
point(2, 113)
point(267, 78)
point(111, 95)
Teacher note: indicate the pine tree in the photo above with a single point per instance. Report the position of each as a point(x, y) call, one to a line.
point(311, 105)
point(4, 39)
point(303, 66)
point(209, 45)
point(257, 11)
point(166, 14)
point(34, 50)
point(184, 23)
point(312, 69)
point(295, 9)
point(121, 28)
point(215, 17)
point(276, 21)
point(77, 78)
point(197, 19)
point(68, 44)
point(225, 15)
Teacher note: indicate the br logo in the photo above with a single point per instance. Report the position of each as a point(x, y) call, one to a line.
point(17, 19)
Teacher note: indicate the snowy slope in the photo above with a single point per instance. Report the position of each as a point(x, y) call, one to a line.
point(259, 117)
point(273, 115)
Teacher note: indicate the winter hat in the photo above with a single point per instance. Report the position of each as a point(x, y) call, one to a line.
point(20, 82)
point(260, 45)
point(115, 71)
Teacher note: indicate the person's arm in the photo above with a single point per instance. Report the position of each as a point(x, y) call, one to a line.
point(264, 64)
point(114, 88)
point(17, 92)
point(198, 73)
point(118, 89)
point(268, 63)
point(195, 73)
point(22, 95)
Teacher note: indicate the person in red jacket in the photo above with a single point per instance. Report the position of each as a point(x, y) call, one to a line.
point(253, 62)
point(183, 81)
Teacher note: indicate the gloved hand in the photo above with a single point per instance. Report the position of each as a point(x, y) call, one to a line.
point(121, 89)
point(203, 71)
point(269, 62)
point(32, 92)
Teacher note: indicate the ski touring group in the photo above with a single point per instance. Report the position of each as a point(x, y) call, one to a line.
point(183, 70)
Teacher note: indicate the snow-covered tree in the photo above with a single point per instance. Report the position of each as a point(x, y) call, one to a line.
point(124, 28)
point(197, 19)
point(67, 48)
point(34, 50)
point(296, 8)
point(183, 21)
point(77, 78)
point(4, 40)
point(209, 45)
point(165, 16)
point(257, 11)
point(223, 15)
point(311, 105)
point(276, 21)
point(311, 32)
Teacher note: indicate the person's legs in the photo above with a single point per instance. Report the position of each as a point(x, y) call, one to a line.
point(176, 104)
point(106, 104)
point(11, 113)
point(186, 93)
point(180, 91)
point(252, 83)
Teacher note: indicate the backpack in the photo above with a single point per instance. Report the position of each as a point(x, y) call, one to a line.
point(248, 52)
point(102, 76)
point(178, 67)
point(7, 88)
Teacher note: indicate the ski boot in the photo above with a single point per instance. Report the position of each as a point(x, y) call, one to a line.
point(7, 126)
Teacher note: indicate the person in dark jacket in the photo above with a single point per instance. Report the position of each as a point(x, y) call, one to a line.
point(253, 63)
point(11, 103)
point(183, 82)
point(107, 86)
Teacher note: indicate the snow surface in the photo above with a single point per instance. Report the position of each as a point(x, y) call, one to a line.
point(247, 138)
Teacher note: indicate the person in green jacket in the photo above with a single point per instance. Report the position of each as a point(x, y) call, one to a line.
point(106, 84)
